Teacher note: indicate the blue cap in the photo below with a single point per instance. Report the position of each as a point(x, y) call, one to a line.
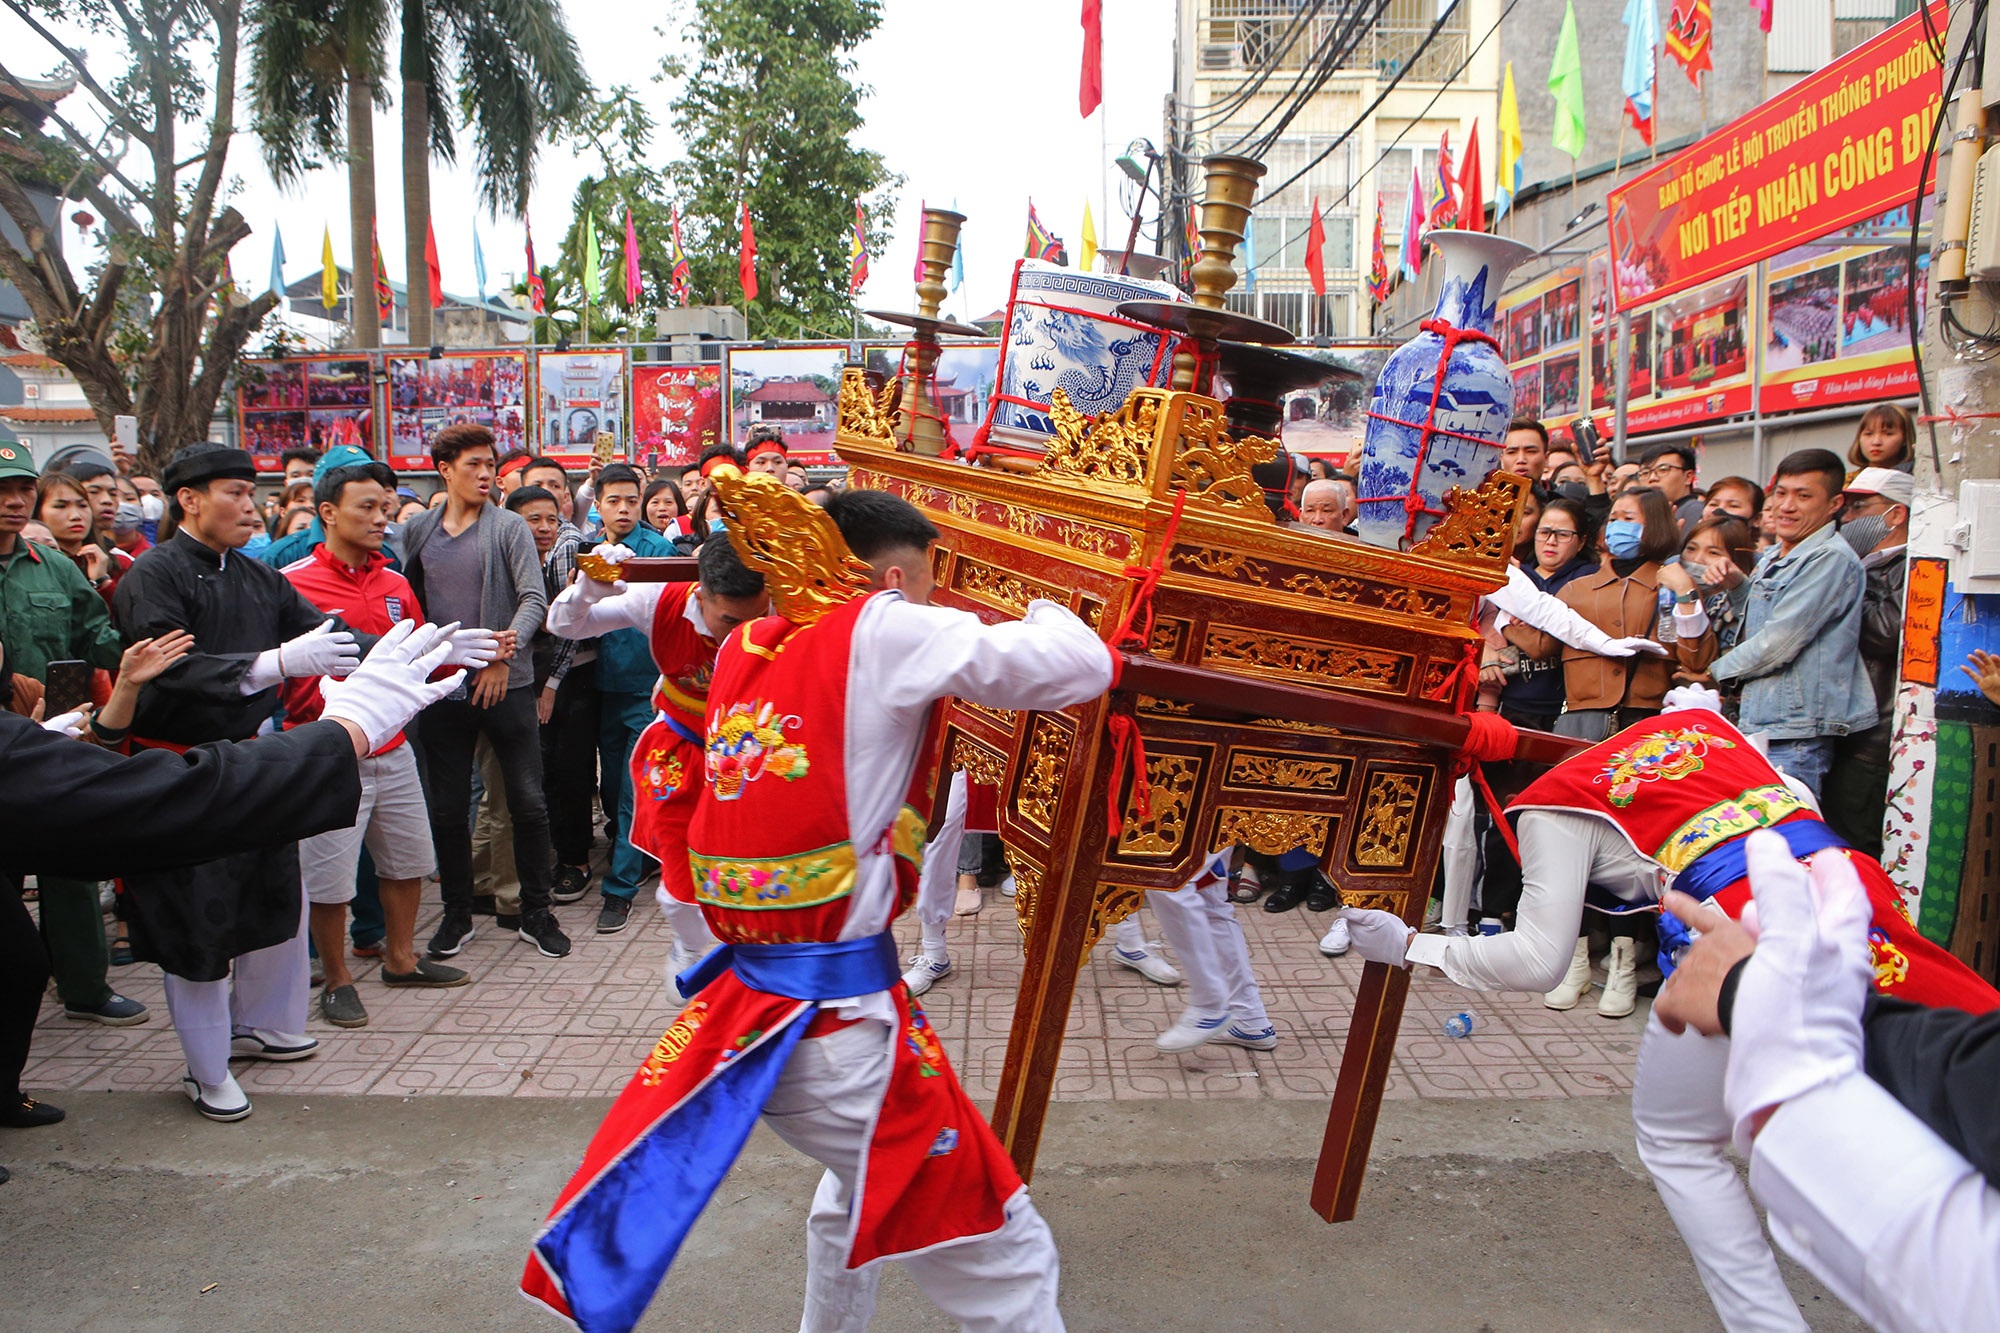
point(341, 455)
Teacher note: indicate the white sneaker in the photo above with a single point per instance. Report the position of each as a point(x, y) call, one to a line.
point(1148, 962)
point(1253, 1039)
point(264, 1044)
point(1191, 1030)
point(1007, 887)
point(1336, 941)
point(1433, 913)
point(925, 972)
point(223, 1101)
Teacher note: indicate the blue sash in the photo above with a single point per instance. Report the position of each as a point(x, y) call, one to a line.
point(690, 738)
point(1719, 867)
point(813, 971)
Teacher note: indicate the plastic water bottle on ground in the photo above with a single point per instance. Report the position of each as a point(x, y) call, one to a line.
point(1458, 1025)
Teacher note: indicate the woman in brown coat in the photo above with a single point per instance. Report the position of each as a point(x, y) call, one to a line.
point(1632, 593)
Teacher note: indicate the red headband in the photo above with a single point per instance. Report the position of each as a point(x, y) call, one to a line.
point(766, 446)
point(511, 468)
point(716, 462)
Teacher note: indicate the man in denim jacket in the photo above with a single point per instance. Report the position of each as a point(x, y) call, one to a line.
point(1799, 662)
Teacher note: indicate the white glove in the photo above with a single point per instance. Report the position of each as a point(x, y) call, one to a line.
point(69, 724)
point(1380, 937)
point(588, 590)
point(390, 688)
point(1522, 600)
point(320, 651)
point(1683, 697)
point(473, 647)
point(1796, 1024)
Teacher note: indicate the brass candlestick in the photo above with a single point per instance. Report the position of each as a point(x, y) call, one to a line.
point(1231, 182)
point(923, 428)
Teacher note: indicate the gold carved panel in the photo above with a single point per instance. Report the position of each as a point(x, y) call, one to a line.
point(1388, 819)
point(983, 766)
point(869, 414)
point(1002, 717)
point(1027, 886)
point(1259, 652)
point(1174, 780)
point(997, 588)
point(1262, 768)
point(1382, 900)
point(1040, 789)
point(1272, 832)
point(1478, 526)
point(1114, 449)
point(1113, 903)
point(1214, 466)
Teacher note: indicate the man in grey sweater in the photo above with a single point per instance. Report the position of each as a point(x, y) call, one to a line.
point(471, 561)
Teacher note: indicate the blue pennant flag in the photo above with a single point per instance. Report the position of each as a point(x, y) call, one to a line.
point(478, 262)
point(277, 262)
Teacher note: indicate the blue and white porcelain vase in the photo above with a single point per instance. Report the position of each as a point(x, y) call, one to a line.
point(1474, 403)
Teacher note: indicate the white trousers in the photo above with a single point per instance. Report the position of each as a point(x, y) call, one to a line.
point(1461, 855)
point(824, 1105)
point(267, 988)
point(690, 928)
point(1200, 923)
point(1683, 1132)
point(937, 884)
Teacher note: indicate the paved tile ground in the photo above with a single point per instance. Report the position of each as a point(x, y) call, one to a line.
point(530, 1026)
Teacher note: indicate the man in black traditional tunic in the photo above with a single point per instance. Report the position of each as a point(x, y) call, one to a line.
point(229, 933)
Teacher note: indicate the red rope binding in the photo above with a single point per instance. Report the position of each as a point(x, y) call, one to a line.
point(1128, 747)
point(1413, 503)
point(1489, 738)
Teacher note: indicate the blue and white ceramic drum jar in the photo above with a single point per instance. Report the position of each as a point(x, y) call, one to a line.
point(1414, 453)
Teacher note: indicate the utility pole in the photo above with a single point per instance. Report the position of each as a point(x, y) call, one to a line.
point(1942, 843)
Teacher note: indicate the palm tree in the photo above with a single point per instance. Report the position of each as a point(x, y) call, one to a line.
point(315, 81)
point(515, 69)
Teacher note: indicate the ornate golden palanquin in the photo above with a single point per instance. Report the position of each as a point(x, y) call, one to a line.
point(1311, 700)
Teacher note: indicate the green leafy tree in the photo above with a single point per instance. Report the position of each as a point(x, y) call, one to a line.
point(767, 107)
point(315, 80)
point(515, 72)
point(155, 329)
point(618, 132)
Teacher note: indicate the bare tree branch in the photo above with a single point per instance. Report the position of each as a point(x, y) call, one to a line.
point(118, 110)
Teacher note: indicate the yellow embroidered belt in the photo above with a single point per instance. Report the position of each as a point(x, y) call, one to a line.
point(804, 879)
point(1760, 807)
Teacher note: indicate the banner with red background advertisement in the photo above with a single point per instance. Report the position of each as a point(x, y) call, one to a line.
point(303, 403)
point(676, 411)
point(1839, 146)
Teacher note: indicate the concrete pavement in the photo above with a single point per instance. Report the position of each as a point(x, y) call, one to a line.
point(401, 1212)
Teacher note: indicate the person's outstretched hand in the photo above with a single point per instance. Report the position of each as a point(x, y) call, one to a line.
point(1635, 644)
point(148, 658)
point(393, 686)
point(1689, 999)
point(587, 589)
point(1796, 1024)
point(1984, 668)
point(472, 646)
point(320, 651)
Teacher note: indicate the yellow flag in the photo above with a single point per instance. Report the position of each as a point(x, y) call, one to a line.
point(1088, 255)
point(329, 277)
point(1510, 145)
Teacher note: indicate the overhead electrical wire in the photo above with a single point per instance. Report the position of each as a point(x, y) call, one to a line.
point(1341, 43)
point(1226, 106)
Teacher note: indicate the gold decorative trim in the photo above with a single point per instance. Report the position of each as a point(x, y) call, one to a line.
point(791, 541)
point(1272, 832)
point(1437, 675)
point(1260, 652)
point(1042, 774)
point(1168, 707)
point(986, 767)
point(1478, 526)
point(1111, 904)
point(1256, 768)
point(1173, 779)
point(1391, 901)
point(1214, 467)
point(1222, 564)
point(1027, 875)
point(1388, 818)
point(867, 414)
point(1114, 449)
point(1001, 717)
point(995, 587)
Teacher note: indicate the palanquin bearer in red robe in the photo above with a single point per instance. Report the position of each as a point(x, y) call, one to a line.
point(1669, 803)
point(684, 623)
point(803, 852)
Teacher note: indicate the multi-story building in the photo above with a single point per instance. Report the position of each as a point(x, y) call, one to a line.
point(1244, 66)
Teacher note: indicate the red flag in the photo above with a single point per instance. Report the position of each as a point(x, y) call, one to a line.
point(634, 283)
point(1471, 187)
point(746, 257)
point(1689, 28)
point(1090, 90)
point(1316, 251)
point(538, 297)
point(431, 264)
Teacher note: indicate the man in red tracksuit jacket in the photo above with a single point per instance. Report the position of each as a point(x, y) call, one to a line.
point(347, 574)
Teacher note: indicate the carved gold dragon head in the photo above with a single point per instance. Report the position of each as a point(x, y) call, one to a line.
point(791, 541)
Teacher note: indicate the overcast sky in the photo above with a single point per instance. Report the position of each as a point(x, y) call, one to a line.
point(974, 103)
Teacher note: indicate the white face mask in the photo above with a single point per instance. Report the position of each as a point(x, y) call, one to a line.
point(153, 507)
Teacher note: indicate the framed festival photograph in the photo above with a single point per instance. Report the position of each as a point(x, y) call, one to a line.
point(303, 403)
point(428, 393)
point(578, 396)
point(796, 389)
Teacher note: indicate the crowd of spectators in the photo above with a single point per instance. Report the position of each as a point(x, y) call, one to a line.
point(497, 793)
